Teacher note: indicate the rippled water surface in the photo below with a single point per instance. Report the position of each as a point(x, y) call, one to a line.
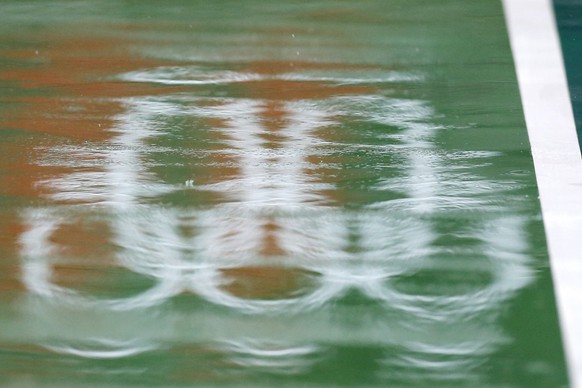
point(255, 193)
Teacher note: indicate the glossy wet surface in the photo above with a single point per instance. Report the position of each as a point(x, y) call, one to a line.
point(251, 193)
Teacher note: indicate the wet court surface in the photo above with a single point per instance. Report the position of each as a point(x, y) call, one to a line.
point(259, 194)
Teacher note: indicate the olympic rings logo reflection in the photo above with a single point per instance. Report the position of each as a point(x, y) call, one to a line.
point(151, 247)
point(206, 280)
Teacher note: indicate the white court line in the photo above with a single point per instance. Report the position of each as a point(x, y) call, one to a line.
point(554, 144)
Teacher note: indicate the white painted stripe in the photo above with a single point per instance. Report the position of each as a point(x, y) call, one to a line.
point(552, 133)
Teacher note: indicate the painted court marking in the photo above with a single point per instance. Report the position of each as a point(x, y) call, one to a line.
point(554, 144)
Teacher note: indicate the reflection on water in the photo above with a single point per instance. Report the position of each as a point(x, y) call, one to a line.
point(259, 222)
point(275, 232)
point(102, 348)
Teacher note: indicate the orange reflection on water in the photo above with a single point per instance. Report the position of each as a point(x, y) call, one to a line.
point(66, 93)
point(75, 90)
point(84, 251)
point(10, 230)
point(288, 89)
point(70, 85)
point(264, 282)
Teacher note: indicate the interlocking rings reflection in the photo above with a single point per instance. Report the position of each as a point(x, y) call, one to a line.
point(278, 211)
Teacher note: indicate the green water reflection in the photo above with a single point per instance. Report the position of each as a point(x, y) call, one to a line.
point(257, 193)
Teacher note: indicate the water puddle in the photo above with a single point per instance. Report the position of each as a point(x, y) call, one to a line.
point(285, 215)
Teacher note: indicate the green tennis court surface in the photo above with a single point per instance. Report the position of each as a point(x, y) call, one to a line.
point(326, 193)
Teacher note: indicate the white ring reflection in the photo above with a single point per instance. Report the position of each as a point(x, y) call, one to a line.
point(103, 348)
